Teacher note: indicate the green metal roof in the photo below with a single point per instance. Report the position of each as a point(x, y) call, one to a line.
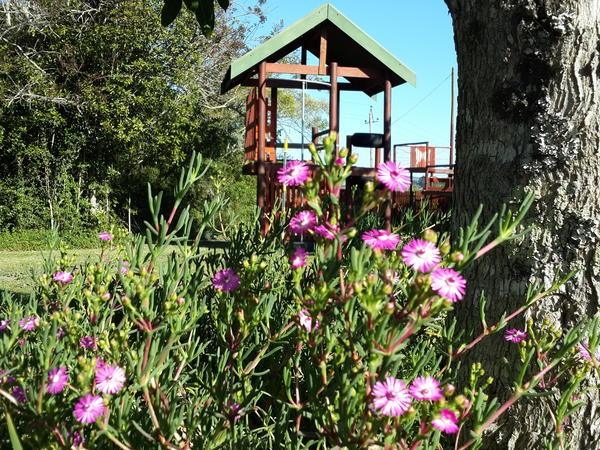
point(347, 45)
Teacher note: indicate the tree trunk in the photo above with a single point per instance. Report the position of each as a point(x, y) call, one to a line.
point(529, 121)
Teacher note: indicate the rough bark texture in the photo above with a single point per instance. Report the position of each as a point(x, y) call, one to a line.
point(529, 120)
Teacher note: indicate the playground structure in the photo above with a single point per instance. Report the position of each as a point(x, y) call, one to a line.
point(347, 60)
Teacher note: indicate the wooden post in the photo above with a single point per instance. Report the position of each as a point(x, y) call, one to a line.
point(387, 120)
point(273, 127)
point(451, 159)
point(333, 98)
point(261, 185)
point(387, 142)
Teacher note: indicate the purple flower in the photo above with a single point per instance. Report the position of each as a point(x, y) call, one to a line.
point(381, 239)
point(298, 258)
point(446, 422)
point(105, 236)
point(303, 222)
point(109, 379)
point(421, 255)
point(391, 397)
point(515, 336)
point(19, 394)
point(77, 439)
point(448, 283)
point(60, 333)
point(62, 277)
point(394, 177)
point(29, 323)
point(57, 380)
point(426, 389)
point(233, 410)
point(89, 342)
point(306, 321)
point(294, 173)
point(4, 324)
point(89, 408)
point(226, 280)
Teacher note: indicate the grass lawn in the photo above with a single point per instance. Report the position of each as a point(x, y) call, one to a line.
point(18, 269)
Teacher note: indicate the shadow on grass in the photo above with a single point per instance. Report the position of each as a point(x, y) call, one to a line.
point(8, 295)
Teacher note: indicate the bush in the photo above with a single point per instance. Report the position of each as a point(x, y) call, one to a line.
point(245, 348)
point(24, 240)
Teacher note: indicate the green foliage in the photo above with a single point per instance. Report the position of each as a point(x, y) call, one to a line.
point(239, 348)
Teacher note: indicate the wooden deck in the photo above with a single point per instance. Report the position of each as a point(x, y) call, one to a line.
point(436, 191)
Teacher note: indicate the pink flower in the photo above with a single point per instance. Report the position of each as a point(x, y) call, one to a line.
point(29, 323)
point(294, 173)
point(226, 280)
point(421, 255)
point(391, 397)
point(339, 162)
point(448, 283)
point(109, 379)
point(57, 380)
point(62, 277)
point(303, 222)
point(306, 321)
point(4, 324)
point(394, 177)
point(426, 388)
point(105, 236)
point(89, 408)
point(446, 422)
point(327, 231)
point(514, 335)
point(124, 267)
point(298, 258)
point(88, 342)
point(584, 352)
point(381, 239)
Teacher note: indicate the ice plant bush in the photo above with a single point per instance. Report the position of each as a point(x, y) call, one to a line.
point(313, 336)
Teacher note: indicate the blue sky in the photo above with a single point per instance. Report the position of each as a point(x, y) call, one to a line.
point(418, 33)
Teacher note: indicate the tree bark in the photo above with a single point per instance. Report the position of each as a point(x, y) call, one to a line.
point(529, 121)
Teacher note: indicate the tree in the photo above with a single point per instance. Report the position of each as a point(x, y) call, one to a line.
point(97, 98)
point(529, 121)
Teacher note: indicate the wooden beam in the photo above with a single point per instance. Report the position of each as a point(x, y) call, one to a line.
point(323, 53)
point(342, 71)
point(283, 83)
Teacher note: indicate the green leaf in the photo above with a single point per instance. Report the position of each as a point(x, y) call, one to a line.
point(170, 11)
point(12, 432)
point(205, 15)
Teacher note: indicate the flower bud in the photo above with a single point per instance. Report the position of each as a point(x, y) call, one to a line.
point(449, 390)
point(353, 158)
point(430, 235)
point(457, 257)
point(343, 153)
point(445, 247)
point(390, 307)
